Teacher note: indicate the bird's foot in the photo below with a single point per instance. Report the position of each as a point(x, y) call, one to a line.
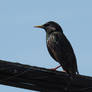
point(63, 71)
point(55, 68)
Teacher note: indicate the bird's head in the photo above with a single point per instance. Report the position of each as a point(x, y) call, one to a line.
point(50, 27)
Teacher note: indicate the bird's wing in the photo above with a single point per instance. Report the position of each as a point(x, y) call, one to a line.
point(62, 44)
point(65, 49)
point(57, 46)
point(61, 50)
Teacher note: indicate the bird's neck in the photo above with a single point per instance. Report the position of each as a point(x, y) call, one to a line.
point(47, 36)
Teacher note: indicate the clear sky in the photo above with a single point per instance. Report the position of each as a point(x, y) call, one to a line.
point(21, 42)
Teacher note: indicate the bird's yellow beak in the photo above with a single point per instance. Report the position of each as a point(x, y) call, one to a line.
point(38, 26)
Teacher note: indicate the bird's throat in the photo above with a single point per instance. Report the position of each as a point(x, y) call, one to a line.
point(47, 36)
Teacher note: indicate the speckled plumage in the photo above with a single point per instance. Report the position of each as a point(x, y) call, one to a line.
point(60, 48)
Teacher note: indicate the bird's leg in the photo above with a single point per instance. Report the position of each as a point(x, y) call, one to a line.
point(55, 68)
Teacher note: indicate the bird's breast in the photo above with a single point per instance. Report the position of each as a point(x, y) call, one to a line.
point(52, 47)
point(51, 41)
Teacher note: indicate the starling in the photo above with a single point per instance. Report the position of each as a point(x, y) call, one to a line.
point(59, 47)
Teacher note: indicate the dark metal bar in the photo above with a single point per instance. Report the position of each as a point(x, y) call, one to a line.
point(40, 79)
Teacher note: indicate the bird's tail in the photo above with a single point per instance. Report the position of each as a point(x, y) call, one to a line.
point(76, 72)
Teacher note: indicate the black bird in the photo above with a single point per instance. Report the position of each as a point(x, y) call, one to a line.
point(59, 47)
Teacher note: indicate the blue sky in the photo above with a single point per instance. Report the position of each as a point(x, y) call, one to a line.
point(21, 42)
